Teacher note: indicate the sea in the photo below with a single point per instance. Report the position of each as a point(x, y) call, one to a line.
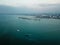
point(17, 31)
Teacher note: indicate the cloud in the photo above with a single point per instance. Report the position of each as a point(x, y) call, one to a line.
point(33, 5)
point(44, 5)
point(28, 3)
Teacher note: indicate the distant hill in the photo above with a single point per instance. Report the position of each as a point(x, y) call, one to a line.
point(18, 10)
point(23, 10)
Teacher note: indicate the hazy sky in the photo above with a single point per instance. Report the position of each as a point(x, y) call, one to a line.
point(39, 5)
point(28, 3)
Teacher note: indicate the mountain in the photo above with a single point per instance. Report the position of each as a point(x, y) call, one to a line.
point(10, 9)
point(24, 10)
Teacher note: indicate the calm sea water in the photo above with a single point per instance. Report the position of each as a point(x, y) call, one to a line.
point(15, 31)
